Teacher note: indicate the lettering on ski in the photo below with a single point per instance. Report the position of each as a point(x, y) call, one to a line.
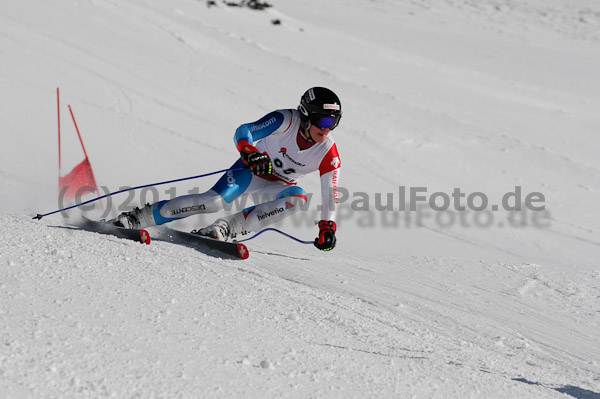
point(210, 246)
point(107, 228)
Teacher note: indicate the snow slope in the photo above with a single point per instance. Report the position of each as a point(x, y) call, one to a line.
point(167, 321)
point(482, 96)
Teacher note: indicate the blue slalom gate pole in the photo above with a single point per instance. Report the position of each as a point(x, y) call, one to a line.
point(39, 216)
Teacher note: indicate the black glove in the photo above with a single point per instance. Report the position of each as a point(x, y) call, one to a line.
point(259, 163)
point(326, 239)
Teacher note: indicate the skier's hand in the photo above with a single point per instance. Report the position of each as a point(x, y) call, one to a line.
point(259, 163)
point(326, 239)
point(246, 149)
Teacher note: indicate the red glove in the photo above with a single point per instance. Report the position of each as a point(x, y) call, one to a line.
point(326, 239)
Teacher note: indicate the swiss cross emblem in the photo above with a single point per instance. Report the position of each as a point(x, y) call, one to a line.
point(243, 251)
point(335, 162)
point(144, 237)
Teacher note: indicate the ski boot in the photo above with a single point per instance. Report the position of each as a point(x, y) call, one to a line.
point(135, 219)
point(224, 229)
point(219, 230)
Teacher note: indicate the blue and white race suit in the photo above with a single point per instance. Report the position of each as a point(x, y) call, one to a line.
point(278, 135)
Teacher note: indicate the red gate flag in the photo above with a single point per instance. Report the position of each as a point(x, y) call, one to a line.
point(79, 182)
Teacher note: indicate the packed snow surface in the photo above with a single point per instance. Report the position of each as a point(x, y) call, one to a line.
point(491, 97)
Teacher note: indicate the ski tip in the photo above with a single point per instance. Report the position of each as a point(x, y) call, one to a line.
point(243, 251)
point(145, 237)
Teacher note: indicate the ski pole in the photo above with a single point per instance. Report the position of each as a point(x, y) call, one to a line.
point(39, 216)
point(277, 231)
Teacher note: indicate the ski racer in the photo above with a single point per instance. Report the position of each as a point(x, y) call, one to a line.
point(276, 151)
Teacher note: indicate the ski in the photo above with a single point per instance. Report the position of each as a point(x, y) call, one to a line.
point(104, 227)
point(205, 244)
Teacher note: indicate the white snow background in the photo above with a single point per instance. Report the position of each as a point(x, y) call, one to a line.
point(478, 95)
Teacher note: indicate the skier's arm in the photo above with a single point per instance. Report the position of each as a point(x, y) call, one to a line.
point(330, 174)
point(248, 133)
point(329, 194)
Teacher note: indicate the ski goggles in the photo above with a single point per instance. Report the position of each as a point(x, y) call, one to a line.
point(325, 121)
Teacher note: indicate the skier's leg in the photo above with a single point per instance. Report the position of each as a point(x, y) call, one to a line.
point(287, 202)
point(229, 187)
point(181, 207)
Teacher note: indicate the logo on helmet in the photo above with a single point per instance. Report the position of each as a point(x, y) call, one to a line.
point(332, 107)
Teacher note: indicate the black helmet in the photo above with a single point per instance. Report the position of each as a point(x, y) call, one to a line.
point(320, 107)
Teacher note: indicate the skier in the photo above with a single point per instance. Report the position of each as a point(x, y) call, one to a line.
point(277, 150)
